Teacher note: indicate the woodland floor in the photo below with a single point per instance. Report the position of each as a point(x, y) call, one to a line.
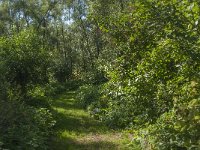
point(77, 130)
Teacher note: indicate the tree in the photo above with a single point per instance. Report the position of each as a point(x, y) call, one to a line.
point(157, 62)
point(25, 61)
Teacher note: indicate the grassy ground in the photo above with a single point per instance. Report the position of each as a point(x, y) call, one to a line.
point(76, 130)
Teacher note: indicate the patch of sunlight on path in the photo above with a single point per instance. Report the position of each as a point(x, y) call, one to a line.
point(78, 131)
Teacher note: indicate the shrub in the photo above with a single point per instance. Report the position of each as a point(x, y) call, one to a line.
point(87, 95)
point(25, 120)
point(24, 61)
point(177, 129)
point(154, 81)
point(24, 127)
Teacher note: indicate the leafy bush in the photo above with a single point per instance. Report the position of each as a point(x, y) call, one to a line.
point(53, 88)
point(62, 72)
point(90, 97)
point(87, 95)
point(95, 77)
point(177, 129)
point(24, 61)
point(24, 127)
point(154, 81)
point(25, 119)
point(37, 97)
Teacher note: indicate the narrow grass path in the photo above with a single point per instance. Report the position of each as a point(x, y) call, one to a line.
point(78, 131)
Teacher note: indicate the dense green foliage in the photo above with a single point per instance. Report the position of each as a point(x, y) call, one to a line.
point(154, 80)
point(24, 124)
point(24, 60)
point(24, 127)
point(138, 64)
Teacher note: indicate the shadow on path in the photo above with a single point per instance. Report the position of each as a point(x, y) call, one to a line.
point(77, 130)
